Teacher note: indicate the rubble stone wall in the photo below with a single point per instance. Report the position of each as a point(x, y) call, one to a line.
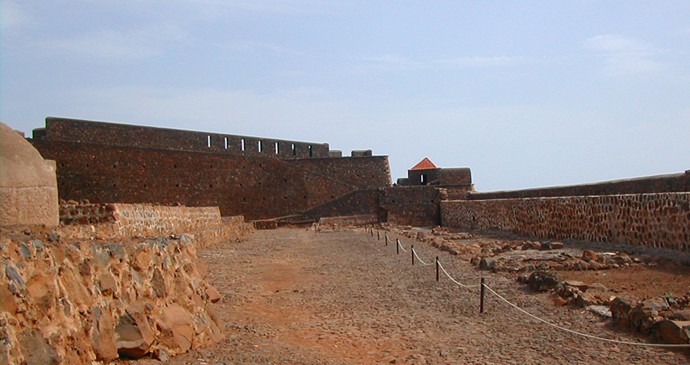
point(84, 301)
point(654, 220)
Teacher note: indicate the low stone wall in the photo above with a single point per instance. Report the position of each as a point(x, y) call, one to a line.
point(73, 212)
point(120, 221)
point(79, 302)
point(352, 220)
point(652, 220)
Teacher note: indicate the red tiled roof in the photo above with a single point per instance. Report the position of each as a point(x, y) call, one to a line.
point(424, 164)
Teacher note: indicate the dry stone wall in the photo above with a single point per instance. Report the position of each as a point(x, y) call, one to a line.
point(653, 220)
point(84, 301)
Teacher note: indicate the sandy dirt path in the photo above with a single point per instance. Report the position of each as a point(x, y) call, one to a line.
point(294, 297)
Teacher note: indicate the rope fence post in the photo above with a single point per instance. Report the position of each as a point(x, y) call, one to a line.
point(397, 246)
point(378, 235)
point(385, 235)
point(412, 254)
point(437, 272)
point(482, 293)
point(372, 230)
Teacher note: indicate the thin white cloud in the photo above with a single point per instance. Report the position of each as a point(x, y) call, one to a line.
point(12, 15)
point(117, 45)
point(624, 55)
point(399, 63)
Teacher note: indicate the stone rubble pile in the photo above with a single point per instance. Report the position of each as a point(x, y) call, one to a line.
point(85, 301)
point(665, 318)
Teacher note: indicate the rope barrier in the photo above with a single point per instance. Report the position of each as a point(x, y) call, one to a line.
point(484, 286)
point(581, 333)
point(455, 281)
point(418, 258)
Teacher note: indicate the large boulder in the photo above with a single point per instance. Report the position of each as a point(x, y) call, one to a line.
point(28, 185)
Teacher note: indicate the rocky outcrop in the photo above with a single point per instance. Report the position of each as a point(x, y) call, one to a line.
point(78, 302)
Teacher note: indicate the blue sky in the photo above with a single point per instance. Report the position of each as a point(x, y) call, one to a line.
point(526, 93)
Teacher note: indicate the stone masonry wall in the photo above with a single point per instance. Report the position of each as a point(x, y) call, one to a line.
point(649, 184)
point(73, 130)
point(653, 220)
point(413, 205)
point(83, 301)
point(254, 187)
point(416, 206)
point(122, 221)
point(329, 178)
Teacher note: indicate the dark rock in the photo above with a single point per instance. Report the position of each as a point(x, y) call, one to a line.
point(543, 280)
point(620, 311)
point(14, 276)
point(675, 332)
point(487, 263)
point(25, 251)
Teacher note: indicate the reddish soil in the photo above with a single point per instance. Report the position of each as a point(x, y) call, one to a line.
point(294, 297)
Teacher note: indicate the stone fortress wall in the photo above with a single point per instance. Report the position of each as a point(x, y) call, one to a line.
point(107, 163)
point(652, 211)
point(113, 134)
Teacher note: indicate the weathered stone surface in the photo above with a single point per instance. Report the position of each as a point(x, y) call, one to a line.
point(103, 335)
point(57, 302)
point(621, 218)
point(674, 331)
point(177, 328)
point(213, 294)
point(134, 334)
point(543, 281)
point(589, 255)
point(28, 185)
point(36, 349)
point(487, 263)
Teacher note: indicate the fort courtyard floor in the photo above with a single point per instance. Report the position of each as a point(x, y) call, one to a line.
point(291, 296)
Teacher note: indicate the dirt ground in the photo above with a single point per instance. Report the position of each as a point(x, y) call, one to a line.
point(294, 297)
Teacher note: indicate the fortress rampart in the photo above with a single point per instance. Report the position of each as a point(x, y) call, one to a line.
point(112, 134)
point(107, 163)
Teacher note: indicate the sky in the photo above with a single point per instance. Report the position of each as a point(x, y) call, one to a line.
point(525, 93)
